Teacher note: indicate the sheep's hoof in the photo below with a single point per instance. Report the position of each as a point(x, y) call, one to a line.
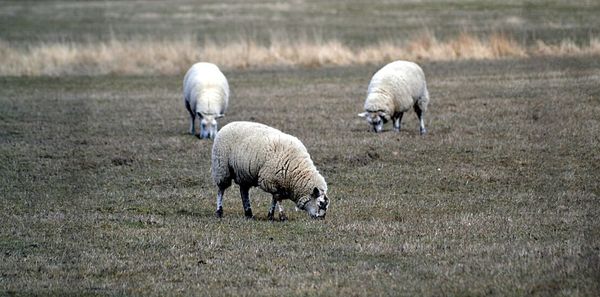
point(423, 132)
point(248, 213)
point(282, 217)
point(219, 213)
point(270, 216)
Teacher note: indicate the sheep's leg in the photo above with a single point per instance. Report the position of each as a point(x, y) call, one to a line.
point(272, 208)
point(219, 211)
point(246, 201)
point(213, 133)
point(192, 126)
point(398, 122)
point(421, 115)
point(282, 216)
point(276, 202)
point(192, 118)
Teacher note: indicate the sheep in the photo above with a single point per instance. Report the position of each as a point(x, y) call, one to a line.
point(206, 95)
point(256, 155)
point(393, 90)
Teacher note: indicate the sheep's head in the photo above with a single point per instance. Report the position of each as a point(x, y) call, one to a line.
point(375, 119)
point(315, 204)
point(208, 125)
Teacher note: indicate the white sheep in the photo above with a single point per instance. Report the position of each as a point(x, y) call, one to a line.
point(393, 90)
point(206, 95)
point(256, 155)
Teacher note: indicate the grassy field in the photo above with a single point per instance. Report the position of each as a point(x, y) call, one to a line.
point(103, 193)
point(354, 21)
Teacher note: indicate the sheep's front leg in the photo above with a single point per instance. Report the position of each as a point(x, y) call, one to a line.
point(398, 122)
point(276, 202)
point(421, 115)
point(192, 125)
point(192, 118)
point(219, 211)
point(246, 201)
point(282, 216)
point(272, 208)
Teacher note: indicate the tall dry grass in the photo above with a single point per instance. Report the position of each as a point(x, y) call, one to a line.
point(146, 56)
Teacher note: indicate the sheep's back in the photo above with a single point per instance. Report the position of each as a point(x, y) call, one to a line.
point(401, 80)
point(205, 85)
point(244, 147)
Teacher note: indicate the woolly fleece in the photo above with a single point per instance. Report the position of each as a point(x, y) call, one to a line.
point(254, 154)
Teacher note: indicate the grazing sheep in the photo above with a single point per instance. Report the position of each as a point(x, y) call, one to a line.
point(393, 90)
point(256, 155)
point(206, 94)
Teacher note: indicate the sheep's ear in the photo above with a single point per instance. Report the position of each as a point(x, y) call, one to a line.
point(363, 114)
point(219, 116)
point(316, 193)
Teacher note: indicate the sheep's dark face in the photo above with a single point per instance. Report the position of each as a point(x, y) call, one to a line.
point(208, 126)
point(316, 204)
point(376, 119)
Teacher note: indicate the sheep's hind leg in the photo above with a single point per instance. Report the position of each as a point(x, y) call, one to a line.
point(421, 116)
point(219, 211)
point(398, 122)
point(246, 201)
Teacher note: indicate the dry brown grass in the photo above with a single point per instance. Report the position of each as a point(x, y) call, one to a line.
point(147, 56)
point(113, 57)
point(566, 48)
point(464, 46)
